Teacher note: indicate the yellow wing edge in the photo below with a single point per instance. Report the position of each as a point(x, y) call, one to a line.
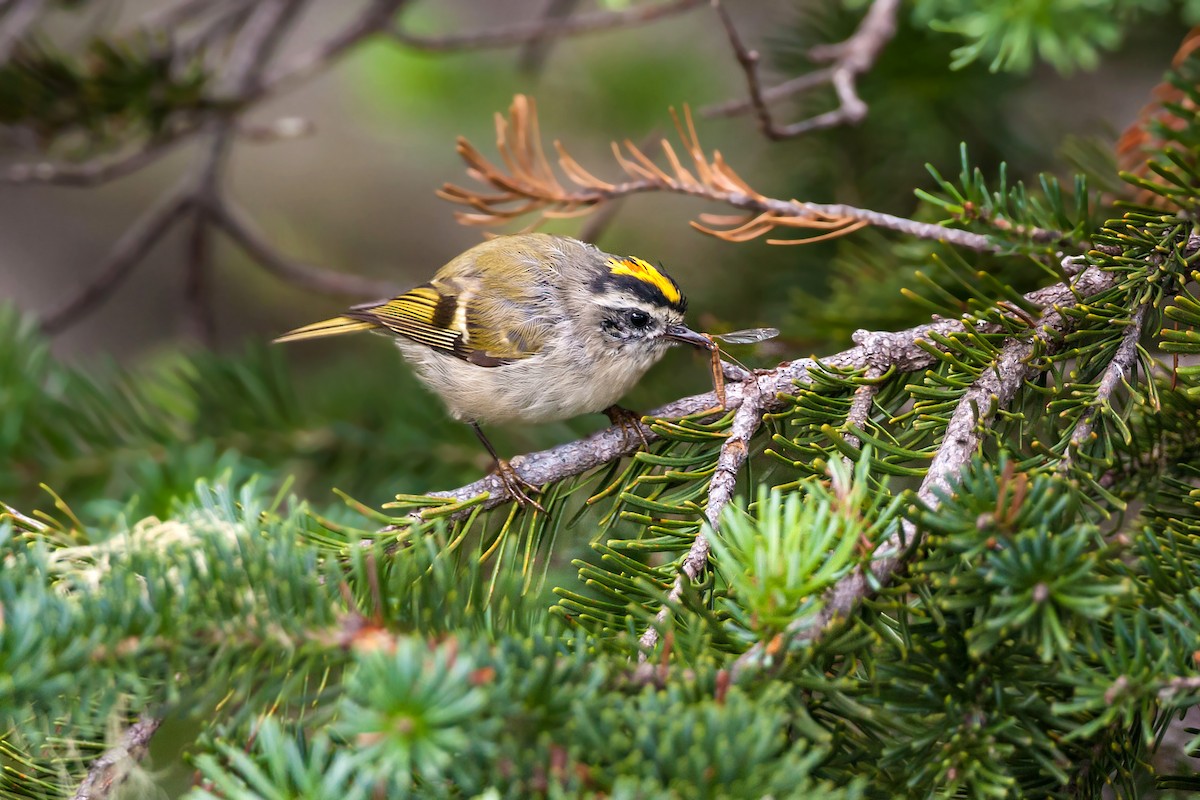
point(330, 327)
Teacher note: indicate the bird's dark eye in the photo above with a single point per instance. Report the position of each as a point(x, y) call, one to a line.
point(639, 319)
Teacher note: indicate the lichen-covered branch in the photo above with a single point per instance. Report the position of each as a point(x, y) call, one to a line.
point(106, 772)
point(761, 392)
point(1117, 371)
point(993, 391)
point(900, 349)
point(734, 452)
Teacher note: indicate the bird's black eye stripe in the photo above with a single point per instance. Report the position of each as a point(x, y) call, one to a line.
point(639, 319)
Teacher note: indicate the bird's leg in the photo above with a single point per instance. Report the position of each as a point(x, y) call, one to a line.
point(513, 483)
point(628, 421)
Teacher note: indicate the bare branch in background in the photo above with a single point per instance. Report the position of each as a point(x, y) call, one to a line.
point(375, 18)
point(106, 773)
point(96, 171)
point(125, 255)
point(16, 22)
point(199, 315)
point(237, 224)
point(533, 53)
point(171, 16)
point(248, 34)
point(547, 28)
point(200, 192)
point(526, 185)
point(848, 60)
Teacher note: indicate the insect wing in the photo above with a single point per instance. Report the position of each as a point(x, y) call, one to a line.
point(748, 336)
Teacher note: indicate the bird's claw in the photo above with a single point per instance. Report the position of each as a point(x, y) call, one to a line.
point(628, 421)
point(516, 486)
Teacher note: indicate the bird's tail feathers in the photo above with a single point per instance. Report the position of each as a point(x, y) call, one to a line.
point(330, 327)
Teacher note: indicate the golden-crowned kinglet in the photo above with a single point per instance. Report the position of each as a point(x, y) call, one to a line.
point(529, 328)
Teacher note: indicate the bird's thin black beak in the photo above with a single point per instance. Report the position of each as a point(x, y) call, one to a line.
point(685, 335)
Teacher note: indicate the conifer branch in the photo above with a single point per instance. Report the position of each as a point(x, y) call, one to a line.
point(990, 393)
point(1118, 371)
point(547, 27)
point(526, 184)
point(881, 349)
point(21, 521)
point(106, 772)
point(734, 452)
point(860, 406)
point(850, 59)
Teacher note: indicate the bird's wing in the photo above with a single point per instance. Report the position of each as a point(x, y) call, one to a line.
point(465, 317)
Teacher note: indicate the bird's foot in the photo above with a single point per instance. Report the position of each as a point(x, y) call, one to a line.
point(517, 487)
point(630, 422)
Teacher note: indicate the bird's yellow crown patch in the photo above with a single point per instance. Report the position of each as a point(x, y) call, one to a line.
point(643, 271)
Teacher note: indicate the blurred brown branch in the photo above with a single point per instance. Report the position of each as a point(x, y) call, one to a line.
point(547, 27)
point(527, 185)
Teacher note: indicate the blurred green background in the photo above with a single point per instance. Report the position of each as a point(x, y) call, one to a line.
point(358, 196)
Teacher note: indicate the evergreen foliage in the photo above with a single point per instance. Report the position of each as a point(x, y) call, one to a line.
point(1037, 637)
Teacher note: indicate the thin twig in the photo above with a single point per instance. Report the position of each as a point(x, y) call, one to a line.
point(97, 171)
point(169, 17)
point(375, 18)
point(124, 256)
point(256, 42)
point(860, 407)
point(199, 317)
point(533, 53)
point(599, 221)
point(523, 32)
point(107, 771)
point(850, 59)
point(1117, 371)
point(237, 224)
point(796, 85)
